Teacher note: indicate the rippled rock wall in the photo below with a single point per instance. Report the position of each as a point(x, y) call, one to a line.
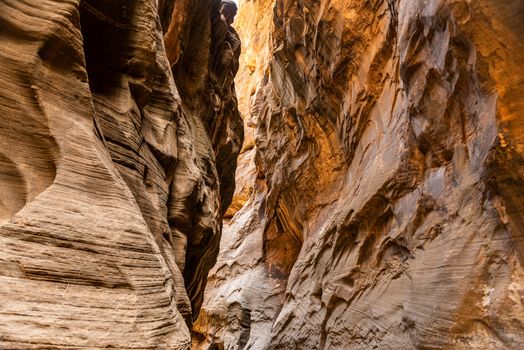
point(111, 198)
point(380, 201)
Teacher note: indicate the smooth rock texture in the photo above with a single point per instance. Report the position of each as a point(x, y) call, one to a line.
point(110, 195)
point(384, 205)
point(204, 56)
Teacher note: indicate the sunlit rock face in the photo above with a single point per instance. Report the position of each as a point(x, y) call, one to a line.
point(384, 201)
point(110, 195)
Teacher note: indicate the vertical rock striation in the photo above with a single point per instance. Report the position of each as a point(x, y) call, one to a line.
point(110, 195)
point(386, 204)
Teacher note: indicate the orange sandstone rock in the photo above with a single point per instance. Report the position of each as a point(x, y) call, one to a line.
point(386, 203)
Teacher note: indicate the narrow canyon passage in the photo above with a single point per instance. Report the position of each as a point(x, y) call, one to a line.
point(317, 174)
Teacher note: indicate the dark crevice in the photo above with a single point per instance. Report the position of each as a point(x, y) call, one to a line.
point(105, 27)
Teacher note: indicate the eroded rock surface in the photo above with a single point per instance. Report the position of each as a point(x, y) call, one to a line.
point(110, 193)
point(385, 206)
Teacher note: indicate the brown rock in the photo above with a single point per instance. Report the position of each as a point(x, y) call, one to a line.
point(254, 23)
point(110, 205)
point(386, 204)
point(204, 53)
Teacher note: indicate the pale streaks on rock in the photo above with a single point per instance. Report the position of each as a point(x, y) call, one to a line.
point(388, 178)
point(105, 178)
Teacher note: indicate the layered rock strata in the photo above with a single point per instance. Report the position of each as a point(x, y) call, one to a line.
point(387, 191)
point(110, 193)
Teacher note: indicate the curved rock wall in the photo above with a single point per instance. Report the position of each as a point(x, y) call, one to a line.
point(110, 195)
point(387, 191)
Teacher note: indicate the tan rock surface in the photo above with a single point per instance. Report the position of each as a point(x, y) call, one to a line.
point(254, 25)
point(204, 73)
point(110, 204)
point(387, 204)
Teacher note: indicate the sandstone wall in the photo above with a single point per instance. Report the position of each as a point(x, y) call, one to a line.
point(110, 195)
point(386, 204)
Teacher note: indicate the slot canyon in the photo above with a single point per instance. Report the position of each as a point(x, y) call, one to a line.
point(319, 174)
